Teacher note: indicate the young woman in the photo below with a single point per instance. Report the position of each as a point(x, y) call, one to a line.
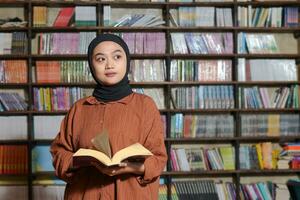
point(128, 118)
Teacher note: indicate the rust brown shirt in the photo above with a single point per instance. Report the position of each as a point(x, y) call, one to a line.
point(134, 118)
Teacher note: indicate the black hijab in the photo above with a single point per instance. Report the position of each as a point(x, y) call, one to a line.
point(107, 93)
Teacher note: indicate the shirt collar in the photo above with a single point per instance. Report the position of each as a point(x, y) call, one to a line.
point(92, 100)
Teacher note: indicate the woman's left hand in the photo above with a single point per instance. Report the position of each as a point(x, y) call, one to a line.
point(130, 167)
point(123, 168)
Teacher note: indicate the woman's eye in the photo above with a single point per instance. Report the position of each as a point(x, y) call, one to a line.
point(117, 56)
point(100, 59)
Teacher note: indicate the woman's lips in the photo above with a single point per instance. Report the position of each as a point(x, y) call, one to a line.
point(110, 74)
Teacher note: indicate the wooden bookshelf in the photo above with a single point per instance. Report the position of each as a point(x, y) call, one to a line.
point(167, 85)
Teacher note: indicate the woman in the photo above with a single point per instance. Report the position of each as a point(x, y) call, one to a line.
point(127, 116)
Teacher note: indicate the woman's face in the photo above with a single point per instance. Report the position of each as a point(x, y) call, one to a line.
point(109, 62)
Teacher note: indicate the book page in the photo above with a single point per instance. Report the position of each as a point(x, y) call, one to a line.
point(94, 153)
point(130, 151)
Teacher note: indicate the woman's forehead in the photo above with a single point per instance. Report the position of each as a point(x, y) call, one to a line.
point(108, 46)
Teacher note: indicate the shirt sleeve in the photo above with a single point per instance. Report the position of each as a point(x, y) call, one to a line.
point(154, 141)
point(62, 149)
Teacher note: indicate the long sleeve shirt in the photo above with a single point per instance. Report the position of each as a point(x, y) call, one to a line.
point(134, 118)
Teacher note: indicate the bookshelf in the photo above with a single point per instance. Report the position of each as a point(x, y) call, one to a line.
point(236, 112)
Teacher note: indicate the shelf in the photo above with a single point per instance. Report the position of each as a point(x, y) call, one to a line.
point(14, 142)
point(267, 83)
point(269, 3)
point(269, 110)
point(13, 29)
point(200, 173)
point(272, 172)
point(241, 139)
point(19, 57)
point(14, 85)
point(200, 140)
point(268, 29)
point(202, 111)
point(64, 29)
point(274, 56)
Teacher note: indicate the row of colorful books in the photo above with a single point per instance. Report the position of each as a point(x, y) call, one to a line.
point(267, 70)
point(201, 16)
point(145, 42)
point(194, 158)
point(62, 43)
point(270, 125)
point(203, 97)
point(63, 72)
point(202, 43)
point(268, 17)
point(152, 43)
point(266, 43)
point(63, 17)
point(201, 70)
point(13, 43)
point(198, 189)
point(290, 156)
point(59, 98)
point(149, 17)
point(259, 156)
point(147, 70)
point(201, 126)
point(12, 101)
point(13, 71)
point(269, 97)
point(13, 159)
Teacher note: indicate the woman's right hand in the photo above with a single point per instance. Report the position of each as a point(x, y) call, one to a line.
point(110, 171)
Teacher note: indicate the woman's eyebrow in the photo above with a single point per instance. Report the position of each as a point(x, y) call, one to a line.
point(115, 51)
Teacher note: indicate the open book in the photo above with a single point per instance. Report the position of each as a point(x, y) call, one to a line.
point(84, 157)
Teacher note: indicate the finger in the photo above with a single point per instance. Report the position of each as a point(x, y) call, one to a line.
point(123, 164)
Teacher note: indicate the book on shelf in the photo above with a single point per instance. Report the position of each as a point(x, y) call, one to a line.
point(266, 43)
point(273, 125)
point(64, 17)
point(147, 70)
point(192, 158)
point(203, 97)
point(203, 189)
point(12, 101)
point(12, 17)
point(57, 98)
point(201, 16)
point(47, 191)
point(61, 43)
point(102, 153)
point(145, 42)
point(259, 156)
point(269, 97)
point(290, 155)
point(267, 70)
point(201, 70)
point(202, 43)
point(41, 159)
point(13, 71)
point(14, 191)
point(201, 126)
point(13, 43)
point(68, 71)
point(46, 127)
point(85, 16)
point(14, 159)
point(10, 132)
